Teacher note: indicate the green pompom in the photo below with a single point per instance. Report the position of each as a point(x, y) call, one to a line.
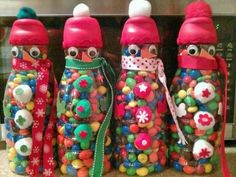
point(26, 12)
point(83, 108)
point(83, 133)
point(83, 83)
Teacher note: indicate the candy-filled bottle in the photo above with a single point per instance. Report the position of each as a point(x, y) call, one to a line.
point(28, 103)
point(197, 91)
point(141, 97)
point(85, 99)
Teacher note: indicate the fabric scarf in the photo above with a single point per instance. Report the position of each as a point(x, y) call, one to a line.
point(43, 68)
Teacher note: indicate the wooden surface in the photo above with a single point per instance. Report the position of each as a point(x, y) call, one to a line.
point(5, 172)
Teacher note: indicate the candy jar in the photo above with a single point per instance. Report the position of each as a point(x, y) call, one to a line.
point(197, 91)
point(85, 99)
point(141, 97)
point(29, 98)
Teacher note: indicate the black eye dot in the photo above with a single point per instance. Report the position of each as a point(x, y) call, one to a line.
point(92, 53)
point(211, 52)
point(192, 51)
point(72, 53)
point(133, 51)
point(34, 53)
point(14, 53)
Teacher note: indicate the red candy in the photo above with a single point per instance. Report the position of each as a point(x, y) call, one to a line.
point(143, 141)
point(134, 128)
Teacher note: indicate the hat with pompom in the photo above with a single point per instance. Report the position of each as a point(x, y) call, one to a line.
point(27, 30)
point(81, 30)
point(140, 28)
point(198, 27)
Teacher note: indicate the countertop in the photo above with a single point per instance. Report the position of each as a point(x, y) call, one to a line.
point(231, 158)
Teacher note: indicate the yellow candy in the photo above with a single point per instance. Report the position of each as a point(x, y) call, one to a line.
point(154, 86)
point(132, 104)
point(143, 158)
point(102, 90)
point(142, 73)
point(182, 94)
point(11, 156)
point(63, 83)
point(142, 171)
point(31, 76)
point(189, 91)
point(150, 124)
point(208, 168)
point(11, 85)
point(95, 126)
point(122, 169)
point(17, 80)
point(48, 94)
point(63, 169)
point(30, 105)
point(68, 113)
point(108, 141)
point(12, 151)
point(192, 109)
point(126, 90)
point(141, 125)
point(61, 130)
point(12, 166)
point(77, 164)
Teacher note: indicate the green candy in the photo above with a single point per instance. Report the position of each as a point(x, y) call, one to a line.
point(200, 79)
point(131, 171)
point(141, 103)
point(215, 159)
point(118, 130)
point(212, 106)
point(132, 157)
point(178, 71)
point(83, 133)
point(189, 101)
point(83, 108)
point(72, 120)
point(188, 129)
point(151, 168)
point(130, 74)
point(83, 72)
point(210, 131)
point(147, 152)
point(171, 148)
point(16, 161)
point(130, 138)
point(217, 97)
point(70, 156)
point(84, 145)
point(130, 82)
point(178, 101)
point(176, 148)
point(83, 83)
point(24, 163)
point(175, 135)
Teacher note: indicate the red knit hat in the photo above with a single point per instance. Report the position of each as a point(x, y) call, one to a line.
point(28, 31)
point(198, 27)
point(82, 30)
point(139, 28)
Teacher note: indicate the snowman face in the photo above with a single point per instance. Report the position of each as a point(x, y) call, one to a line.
point(206, 51)
point(29, 53)
point(147, 51)
point(84, 54)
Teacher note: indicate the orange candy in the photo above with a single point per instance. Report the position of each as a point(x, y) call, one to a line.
point(173, 128)
point(155, 144)
point(153, 158)
point(107, 166)
point(192, 123)
point(183, 161)
point(68, 142)
point(85, 154)
point(83, 172)
point(152, 131)
point(198, 132)
point(189, 170)
point(88, 162)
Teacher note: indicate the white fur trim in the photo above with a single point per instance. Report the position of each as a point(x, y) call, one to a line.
point(139, 8)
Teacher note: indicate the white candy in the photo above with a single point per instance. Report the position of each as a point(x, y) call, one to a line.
point(139, 8)
point(204, 92)
point(24, 146)
point(23, 119)
point(204, 120)
point(22, 93)
point(81, 10)
point(202, 149)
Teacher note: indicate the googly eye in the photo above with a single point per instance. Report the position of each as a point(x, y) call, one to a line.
point(24, 146)
point(34, 52)
point(15, 51)
point(133, 49)
point(92, 52)
point(73, 52)
point(192, 50)
point(152, 49)
point(212, 50)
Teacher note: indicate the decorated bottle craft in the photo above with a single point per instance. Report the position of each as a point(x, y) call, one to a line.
point(85, 99)
point(141, 97)
point(198, 95)
point(29, 99)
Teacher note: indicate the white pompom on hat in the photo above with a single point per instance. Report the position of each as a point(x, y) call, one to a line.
point(139, 8)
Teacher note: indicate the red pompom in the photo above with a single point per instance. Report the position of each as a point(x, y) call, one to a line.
point(198, 9)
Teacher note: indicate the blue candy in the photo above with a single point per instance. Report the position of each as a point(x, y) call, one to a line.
point(195, 74)
point(158, 167)
point(129, 147)
point(177, 166)
point(203, 161)
point(125, 130)
point(71, 170)
point(66, 98)
point(20, 169)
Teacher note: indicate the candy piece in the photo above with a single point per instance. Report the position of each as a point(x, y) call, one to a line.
point(132, 157)
point(122, 169)
point(142, 171)
point(83, 133)
point(143, 115)
point(70, 156)
point(131, 171)
point(83, 108)
point(208, 167)
point(83, 83)
point(22, 93)
point(23, 119)
point(142, 90)
point(202, 149)
point(130, 82)
point(83, 172)
point(85, 154)
point(189, 170)
point(153, 157)
point(189, 101)
point(126, 90)
point(24, 146)
point(204, 92)
point(200, 169)
point(143, 158)
point(102, 90)
point(204, 120)
point(182, 94)
point(143, 141)
point(192, 109)
point(63, 169)
point(177, 166)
